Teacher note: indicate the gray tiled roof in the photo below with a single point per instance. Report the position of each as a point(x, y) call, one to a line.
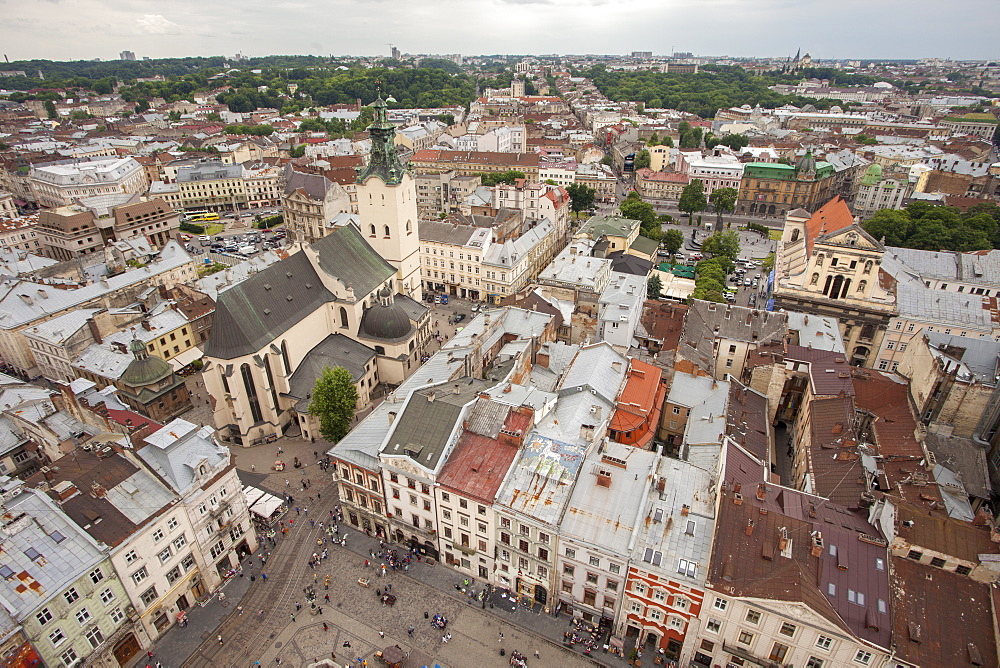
point(423, 430)
point(333, 351)
point(66, 552)
point(175, 451)
point(255, 312)
point(344, 254)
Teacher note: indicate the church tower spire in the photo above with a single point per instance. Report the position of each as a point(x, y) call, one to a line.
point(387, 204)
point(384, 158)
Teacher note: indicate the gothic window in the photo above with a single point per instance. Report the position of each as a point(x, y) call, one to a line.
point(814, 280)
point(386, 230)
point(343, 317)
point(251, 390)
point(270, 381)
point(409, 227)
point(284, 358)
point(371, 230)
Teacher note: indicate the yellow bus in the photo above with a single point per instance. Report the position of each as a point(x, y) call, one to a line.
point(201, 217)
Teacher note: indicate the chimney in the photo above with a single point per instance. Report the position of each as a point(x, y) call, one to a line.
point(146, 326)
point(392, 416)
point(685, 509)
point(817, 544)
point(431, 397)
point(761, 492)
point(98, 491)
point(782, 539)
point(749, 530)
point(95, 331)
point(47, 472)
point(455, 389)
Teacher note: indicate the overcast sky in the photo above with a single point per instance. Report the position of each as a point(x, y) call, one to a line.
point(84, 29)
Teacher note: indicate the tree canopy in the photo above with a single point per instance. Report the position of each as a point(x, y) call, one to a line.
point(672, 240)
point(642, 159)
point(493, 178)
point(581, 197)
point(654, 286)
point(693, 199)
point(928, 227)
point(724, 201)
point(333, 400)
point(724, 244)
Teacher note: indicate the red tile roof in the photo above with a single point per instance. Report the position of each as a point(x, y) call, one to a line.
point(832, 216)
point(639, 402)
point(477, 466)
point(941, 618)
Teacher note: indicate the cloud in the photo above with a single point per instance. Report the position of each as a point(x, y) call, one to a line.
point(156, 24)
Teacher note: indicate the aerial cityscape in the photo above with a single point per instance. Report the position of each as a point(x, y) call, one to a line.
point(436, 359)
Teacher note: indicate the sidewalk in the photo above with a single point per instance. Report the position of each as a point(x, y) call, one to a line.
point(444, 579)
point(178, 643)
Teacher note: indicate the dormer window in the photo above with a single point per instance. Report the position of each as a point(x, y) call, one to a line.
point(203, 469)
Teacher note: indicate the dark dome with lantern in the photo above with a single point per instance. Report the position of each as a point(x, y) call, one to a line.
point(386, 320)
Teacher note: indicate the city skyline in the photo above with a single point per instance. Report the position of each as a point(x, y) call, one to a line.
point(878, 29)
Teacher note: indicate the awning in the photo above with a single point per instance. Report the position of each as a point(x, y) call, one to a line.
point(186, 357)
point(252, 494)
point(266, 506)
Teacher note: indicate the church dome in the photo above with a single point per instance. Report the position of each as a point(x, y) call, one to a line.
point(806, 163)
point(387, 321)
point(146, 371)
point(872, 175)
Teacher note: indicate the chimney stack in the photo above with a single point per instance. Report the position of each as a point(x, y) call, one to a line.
point(761, 492)
point(749, 530)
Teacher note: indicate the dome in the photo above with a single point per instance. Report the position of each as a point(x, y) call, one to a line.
point(882, 84)
point(387, 321)
point(806, 163)
point(872, 175)
point(146, 371)
point(835, 109)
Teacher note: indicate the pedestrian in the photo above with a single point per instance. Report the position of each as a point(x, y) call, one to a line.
point(325, 627)
point(263, 576)
point(381, 634)
point(239, 610)
point(298, 606)
point(260, 613)
point(292, 615)
point(501, 636)
point(221, 642)
point(444, 639)
point(150, 654)
point(253, 467)
point(410, 631)
point(537, 655)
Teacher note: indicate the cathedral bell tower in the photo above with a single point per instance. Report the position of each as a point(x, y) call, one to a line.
point(387, 205)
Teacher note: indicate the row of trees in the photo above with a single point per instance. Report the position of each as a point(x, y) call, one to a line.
point(703, 93)
point(711, 273)
point(928, 227)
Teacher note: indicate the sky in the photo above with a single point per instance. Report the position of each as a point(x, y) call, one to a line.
point(86, 29)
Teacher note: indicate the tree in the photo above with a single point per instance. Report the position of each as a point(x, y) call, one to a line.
point(642, 159)
point(50, 108)
point(692, 199)
point(333, 401)
point(493, 178)
point(654, 286)
point(636, 209)
point(447, 119)
point(724, 200)
point(608, 160)
point(767, 264)
point(581, 197)
point(736, 142)
point(672, 240)
point(298, 151)
point(723, 244)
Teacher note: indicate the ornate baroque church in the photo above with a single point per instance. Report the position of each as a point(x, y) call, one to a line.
point(350, 299)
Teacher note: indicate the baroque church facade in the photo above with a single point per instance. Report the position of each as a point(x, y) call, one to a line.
point(351, 298)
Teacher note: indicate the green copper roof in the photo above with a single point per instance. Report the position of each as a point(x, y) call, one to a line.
point(384, 159)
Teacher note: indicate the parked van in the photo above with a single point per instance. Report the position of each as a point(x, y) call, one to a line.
point(247, 250)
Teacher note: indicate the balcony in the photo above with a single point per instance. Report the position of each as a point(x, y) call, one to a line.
point(749, 656)
point(464, 549)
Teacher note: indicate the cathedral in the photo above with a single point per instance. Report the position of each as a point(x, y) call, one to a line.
point(351, 298)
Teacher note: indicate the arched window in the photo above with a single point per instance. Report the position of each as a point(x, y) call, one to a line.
point(386, 230)
point(379, 350)
point(868, 267)
point(795, 235)
point(819, 260)
point(343, 317)
point(409, 227)
point(251, 390)
point(371, 230)
point(284, 358)
point(814, 280)
point(862, 286)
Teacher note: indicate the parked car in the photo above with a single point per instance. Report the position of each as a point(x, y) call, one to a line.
point(444, 299)
point(459, 318)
